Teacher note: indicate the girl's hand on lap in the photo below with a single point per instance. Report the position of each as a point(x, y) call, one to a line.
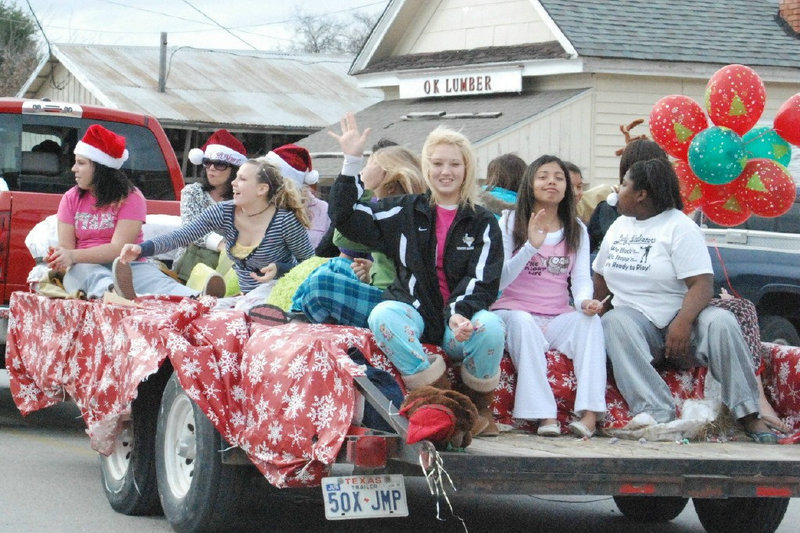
point(461, 327)
point(268, 273)
point(60, 259)
point(361, 268)
point(591, 307)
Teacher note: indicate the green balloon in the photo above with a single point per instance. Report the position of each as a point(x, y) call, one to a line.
point(717, 155)
point(764, 143)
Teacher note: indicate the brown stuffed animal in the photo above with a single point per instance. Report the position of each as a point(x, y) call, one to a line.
point(440, 416)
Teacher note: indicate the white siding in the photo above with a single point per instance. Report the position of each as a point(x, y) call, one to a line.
point(63, 87)
point(562, 131)
point(467, 24)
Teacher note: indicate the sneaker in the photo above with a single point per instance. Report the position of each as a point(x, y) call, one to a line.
point(215, 286)
point(123, 279)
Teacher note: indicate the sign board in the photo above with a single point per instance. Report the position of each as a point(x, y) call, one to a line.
point(467, 83)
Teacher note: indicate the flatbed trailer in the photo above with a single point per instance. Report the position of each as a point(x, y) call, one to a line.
point(168, 456)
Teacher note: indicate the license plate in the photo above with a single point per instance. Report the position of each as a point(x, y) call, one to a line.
point(378, 496)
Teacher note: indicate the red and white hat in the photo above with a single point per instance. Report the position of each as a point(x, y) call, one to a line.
point(295, 164)
point(102, 146)
point(221, 146)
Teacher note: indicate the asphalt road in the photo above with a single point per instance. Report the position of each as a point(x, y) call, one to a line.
point(50, 481)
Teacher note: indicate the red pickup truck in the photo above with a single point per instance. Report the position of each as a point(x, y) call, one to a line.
point(36, 142)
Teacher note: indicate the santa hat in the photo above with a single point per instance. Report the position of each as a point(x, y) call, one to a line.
point(433, 422)
point(102, 146)
point(295, 163)
point(221, 146)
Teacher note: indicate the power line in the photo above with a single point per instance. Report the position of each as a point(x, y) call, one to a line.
point(218, 24)
point(169, 15)
point(57, 86)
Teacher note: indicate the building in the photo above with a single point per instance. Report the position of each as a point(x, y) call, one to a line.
point(558, 76)
point(266, 99)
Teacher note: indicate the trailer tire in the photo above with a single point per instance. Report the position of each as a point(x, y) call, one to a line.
point(778, 330)
point(756, 515)
point(198, 492)
point(650, 508)
point(128, 474)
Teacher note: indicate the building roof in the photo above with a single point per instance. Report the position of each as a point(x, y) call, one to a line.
point(249, 89)
point(408, 122)
point(717, 32)
point(706, 31)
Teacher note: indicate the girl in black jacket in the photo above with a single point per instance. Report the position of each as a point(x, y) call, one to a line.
point(449, 256)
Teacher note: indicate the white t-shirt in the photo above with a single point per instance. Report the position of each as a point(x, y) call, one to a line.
point(644, 263)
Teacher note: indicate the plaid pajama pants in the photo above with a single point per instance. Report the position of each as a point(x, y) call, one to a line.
point(333, 294)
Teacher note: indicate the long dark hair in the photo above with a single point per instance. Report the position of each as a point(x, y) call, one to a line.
point(505, 171)
point(227, 191)
point(111, 185)
point(658, 178)
point(525, 203)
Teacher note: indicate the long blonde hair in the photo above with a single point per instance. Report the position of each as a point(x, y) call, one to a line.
point(403, 171)
point(443, 135)
point(282, 192)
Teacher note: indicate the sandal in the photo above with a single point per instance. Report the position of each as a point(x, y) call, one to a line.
point(776, 424)
point(763, 437)
point(579, 429)
point(550, 430)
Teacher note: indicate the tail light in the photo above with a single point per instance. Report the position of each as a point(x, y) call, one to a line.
point(5, 235)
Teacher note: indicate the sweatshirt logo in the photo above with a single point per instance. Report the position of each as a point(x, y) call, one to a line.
point(468, 240)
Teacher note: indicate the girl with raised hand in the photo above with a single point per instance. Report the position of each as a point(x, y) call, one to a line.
point(449, 256)
point(547, 262)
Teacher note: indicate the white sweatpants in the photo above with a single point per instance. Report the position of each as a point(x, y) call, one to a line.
point(579, 337)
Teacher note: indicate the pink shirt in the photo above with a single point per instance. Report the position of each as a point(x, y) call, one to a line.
point(542, 286)
point(444, 219)
point(94, 227)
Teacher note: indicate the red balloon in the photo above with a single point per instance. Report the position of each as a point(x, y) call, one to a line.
point(735, 97)
point(766, 187)
point(787, 121)
point(690, 185)
point(730, 211)
point(723, 204)
point(674, 121)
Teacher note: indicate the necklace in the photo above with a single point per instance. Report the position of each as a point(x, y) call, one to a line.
point(256, 214)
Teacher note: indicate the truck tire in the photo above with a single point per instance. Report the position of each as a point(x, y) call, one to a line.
point(198, 492)
point(128, 475)
point(650, 508)
point(754, 515)
point(778, 330)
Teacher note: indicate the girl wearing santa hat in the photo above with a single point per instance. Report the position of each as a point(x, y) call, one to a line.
point(294, 163)
point(103, 212)
point(264, 227)
point(220, 157)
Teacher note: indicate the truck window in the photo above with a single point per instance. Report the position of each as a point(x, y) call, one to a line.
point(36, 154)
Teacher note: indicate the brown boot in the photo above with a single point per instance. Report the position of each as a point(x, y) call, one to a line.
point(485, 425)
point(435, 375)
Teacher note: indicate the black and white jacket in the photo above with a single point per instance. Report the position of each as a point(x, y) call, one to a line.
point(403, 227)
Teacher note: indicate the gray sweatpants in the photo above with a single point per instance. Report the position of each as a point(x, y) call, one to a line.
point(635, 346)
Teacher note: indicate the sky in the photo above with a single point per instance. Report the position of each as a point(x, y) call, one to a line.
point(227, 24)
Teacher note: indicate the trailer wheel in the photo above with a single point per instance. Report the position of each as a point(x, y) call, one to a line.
point(198, 492)
point(755, 515)
point(128, 475)
point(650, 508)
point(778, 330)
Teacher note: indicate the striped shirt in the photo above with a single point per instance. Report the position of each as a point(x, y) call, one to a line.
point(285, 242)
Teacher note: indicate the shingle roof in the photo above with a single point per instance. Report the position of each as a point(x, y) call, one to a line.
point(708, 31)
point(387, 120)
point(475, 56)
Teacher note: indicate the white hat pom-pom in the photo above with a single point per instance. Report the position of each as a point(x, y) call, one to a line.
point(196, 156)
point(612, 199)
point(312, 176)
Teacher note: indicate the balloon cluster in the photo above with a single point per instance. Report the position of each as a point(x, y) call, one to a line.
point(732, 169)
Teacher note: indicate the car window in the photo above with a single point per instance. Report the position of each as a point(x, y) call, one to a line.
point(36, 154)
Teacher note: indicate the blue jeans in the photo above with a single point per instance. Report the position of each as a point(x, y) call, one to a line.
point(397, 327)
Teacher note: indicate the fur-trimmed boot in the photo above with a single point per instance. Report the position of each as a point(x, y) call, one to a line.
point(481, 392)
point(435, 376)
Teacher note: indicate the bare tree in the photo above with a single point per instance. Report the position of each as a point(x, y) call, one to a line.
point(17, 48)
point(328, 34)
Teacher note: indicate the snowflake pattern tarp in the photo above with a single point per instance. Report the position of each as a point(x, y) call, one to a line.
point(283, 394)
